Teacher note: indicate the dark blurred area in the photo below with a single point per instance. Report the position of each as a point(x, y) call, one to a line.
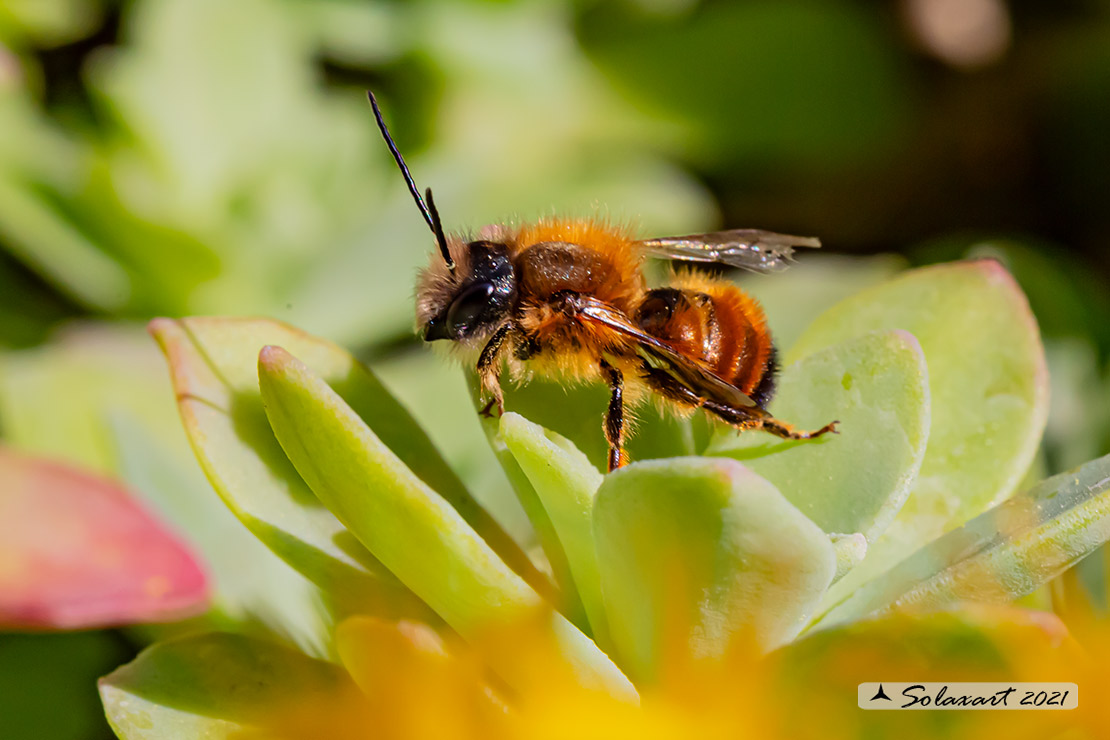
point(175, 157)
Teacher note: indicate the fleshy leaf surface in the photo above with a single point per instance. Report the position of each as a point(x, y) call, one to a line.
point(1002, 554)
point(220, 405)
point(545, 534)
point(566, 483)
point(214, 367)
point(877, 387)
point(699, 550)
point(214, 685)
point(988, 388)
point(77, 552)
point(850, 550)
point(398, 517)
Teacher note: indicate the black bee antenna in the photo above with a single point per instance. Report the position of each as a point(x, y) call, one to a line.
point(431, 215)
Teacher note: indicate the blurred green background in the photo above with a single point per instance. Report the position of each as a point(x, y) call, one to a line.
point(173, 157)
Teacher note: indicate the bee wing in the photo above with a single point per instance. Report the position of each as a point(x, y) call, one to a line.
point(751, 249)
point(698, 379)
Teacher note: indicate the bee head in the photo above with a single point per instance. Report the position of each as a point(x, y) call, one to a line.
point(470, 286)
point(471, 300)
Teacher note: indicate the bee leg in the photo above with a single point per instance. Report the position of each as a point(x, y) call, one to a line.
point(754, 418)
point(489, 370)
point(784, 430)
point(614, 416)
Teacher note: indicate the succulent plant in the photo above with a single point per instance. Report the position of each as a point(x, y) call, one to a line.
point(675, 595)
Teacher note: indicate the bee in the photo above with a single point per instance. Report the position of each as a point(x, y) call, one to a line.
point(567, 298)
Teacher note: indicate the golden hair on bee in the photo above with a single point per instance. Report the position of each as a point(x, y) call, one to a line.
point(567, 298)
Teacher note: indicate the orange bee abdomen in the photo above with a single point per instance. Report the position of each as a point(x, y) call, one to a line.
point(716, 324)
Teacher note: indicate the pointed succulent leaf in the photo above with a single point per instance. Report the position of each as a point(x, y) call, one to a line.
point(406, 524)
point(988, 390)
point(213, 364)
point(567, 600)
point(877, 387)
point(214, 685)
point(565, 482)
point(1001, 554)
point(77, 552)
point(703, 549)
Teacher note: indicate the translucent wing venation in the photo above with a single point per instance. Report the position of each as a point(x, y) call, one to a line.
point(749, 249)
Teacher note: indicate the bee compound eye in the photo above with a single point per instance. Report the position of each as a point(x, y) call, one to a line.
point(466, 309)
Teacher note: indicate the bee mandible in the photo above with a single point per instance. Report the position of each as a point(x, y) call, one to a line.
point(567, 298)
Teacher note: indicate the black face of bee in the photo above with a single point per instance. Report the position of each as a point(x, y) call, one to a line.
point(484, 298)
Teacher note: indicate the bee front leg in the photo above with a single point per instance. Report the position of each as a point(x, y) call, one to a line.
point(614, 416)
point(489, 370)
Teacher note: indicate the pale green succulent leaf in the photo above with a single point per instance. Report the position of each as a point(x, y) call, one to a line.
point(793, 298)
point(545, 533)
point(855, 481)
point(399, 518)
point(213, 364)
point(988, 390)
point(703, 550)
point(565, 483)
point(850, 551)
point(214, 685)
point(1000, 555)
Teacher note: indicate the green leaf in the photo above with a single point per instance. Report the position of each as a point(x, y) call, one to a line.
point(436, 393)
point(213, 366)
point(987, 386)
point(567, 601)
point(212, 686)
point(1003, 553)
point(877, 386)
point(565, 482)
point(575, 412)
point(398, 517)
point(693, 551)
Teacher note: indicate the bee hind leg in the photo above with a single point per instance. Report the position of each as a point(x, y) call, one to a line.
point(784, 430)
point(614, 416)
point(755, 418)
